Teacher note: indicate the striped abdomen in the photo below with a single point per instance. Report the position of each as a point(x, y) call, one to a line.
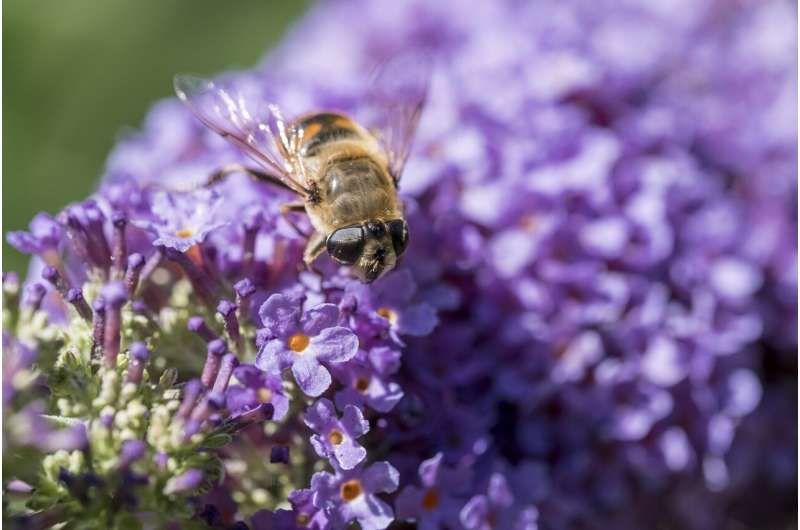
point(321, 129)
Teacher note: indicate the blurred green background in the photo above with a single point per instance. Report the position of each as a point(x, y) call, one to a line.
point(77, 73)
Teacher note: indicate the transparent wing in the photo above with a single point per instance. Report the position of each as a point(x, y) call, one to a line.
point(394, 103)
point(260, 131)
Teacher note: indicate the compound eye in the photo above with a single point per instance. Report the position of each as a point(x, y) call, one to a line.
point(398, 229)
point(346, 244)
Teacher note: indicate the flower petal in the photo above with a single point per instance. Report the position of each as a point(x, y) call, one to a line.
point(280, 314)
point(353, 421)
point(499, 492)
point(321, 416)
point(371, 512)
point(380, 477)
point(408, 503)
point(418, 320)
point(318, 318)
point(274, 356)
point(312, 378)
point(349, 454)
point(429, 470)
point(334, 345)
point(475, 512)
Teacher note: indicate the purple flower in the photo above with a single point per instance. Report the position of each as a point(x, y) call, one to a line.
point(335, 438)
point(494, 510)
point(352, 495)
point(435, 504)
point(44, 236)
point(303, 515)
point(85, 230)
point(595, 313)
point(256, 387)
point(186, 481)
point(303, 341)
point(365, 386)
point(183, 220)
point(17, 358)
point(390, 301)
point(132, 450)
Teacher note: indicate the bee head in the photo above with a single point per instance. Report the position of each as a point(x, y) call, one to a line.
point(370, 248)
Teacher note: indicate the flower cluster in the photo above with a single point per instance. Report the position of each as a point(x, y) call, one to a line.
point(594, 325)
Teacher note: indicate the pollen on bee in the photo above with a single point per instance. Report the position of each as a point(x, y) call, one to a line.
point(430, 500)
point(335, 437)
point(388, 314)
point(350, 490)
point(298, 342)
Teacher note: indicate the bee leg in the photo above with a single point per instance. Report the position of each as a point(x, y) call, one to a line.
point(314, 248)
point(255, 174)
point(286, 209)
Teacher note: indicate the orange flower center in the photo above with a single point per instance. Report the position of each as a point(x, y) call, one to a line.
point(335, 437)
point(350, 490)
point(388, 314)
point(184, 233)
point(264, 395)
point(362, 384)
point(298, 342)
point(302, 519)
point(430, 500)
point(529, 223)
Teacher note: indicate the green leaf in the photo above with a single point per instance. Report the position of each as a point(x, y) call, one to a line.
point(128, 521)
point(216, 441)
point(63, 421)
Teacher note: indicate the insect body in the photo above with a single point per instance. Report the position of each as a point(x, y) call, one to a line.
point(345, 174)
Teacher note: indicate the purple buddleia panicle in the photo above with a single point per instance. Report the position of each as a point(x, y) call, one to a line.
point(594, 324)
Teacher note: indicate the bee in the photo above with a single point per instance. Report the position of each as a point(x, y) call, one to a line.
point(344, 172)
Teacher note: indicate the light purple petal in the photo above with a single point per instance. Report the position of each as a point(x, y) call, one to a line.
point(371, 512)
point(321, 416)
point(349, 454)
point(248, 375)
point(662, 363)
point(499, 492)
point(320, 445)
point(386, 360)
point(475, 512)
point(318, 318)
point(274, 356)
point(324, 485)
point(353, 421)
point(408, 503)
point(312, 378)
point(281, 406)
point(334, 345)
point(380, 477)
point(418, 320)
point(429, 470)
point(280, 314)
point(396, 288)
